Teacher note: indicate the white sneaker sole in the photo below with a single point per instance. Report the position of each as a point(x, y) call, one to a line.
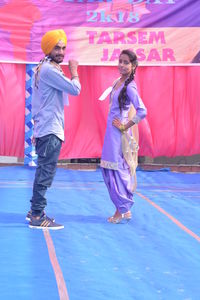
point(46, 228)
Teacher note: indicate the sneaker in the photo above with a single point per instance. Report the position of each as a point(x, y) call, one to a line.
point(29, 215)
point(44, 222)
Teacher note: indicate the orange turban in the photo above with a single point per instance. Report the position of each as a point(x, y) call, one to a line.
point(51, 38)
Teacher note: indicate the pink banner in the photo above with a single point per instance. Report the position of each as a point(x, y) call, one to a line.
point(161, 32)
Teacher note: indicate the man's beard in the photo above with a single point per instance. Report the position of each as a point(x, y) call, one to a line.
point(58, 59)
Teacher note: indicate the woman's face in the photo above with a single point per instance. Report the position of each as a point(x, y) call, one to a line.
point(125, 66)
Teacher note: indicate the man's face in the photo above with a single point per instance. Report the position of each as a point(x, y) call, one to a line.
point(58, 52)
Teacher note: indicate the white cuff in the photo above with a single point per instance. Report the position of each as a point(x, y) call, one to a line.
point(136, 119)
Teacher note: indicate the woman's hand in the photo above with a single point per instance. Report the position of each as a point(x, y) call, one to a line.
point(117, 123)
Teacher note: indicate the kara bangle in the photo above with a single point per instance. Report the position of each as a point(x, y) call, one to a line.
point(74, 76)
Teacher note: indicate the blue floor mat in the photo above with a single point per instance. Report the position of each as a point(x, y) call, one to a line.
point(149, 258)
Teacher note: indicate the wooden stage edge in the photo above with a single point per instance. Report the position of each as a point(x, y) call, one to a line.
point(146, 167)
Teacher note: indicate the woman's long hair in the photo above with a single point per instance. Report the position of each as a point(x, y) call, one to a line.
point(122, 95)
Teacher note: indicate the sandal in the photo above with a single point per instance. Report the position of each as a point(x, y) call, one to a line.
point(120, 218)
point(114, 216)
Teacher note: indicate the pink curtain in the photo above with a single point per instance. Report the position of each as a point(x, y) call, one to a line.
point(12, 109)
point(171, 95)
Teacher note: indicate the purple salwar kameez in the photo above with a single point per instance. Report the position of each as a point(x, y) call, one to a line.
point(116, 169)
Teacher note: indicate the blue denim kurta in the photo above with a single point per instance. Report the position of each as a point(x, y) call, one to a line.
point(48, 100)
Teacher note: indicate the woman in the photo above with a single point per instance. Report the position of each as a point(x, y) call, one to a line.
point(119, 154)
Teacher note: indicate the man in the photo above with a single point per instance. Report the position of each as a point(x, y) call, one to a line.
point(49, 87)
